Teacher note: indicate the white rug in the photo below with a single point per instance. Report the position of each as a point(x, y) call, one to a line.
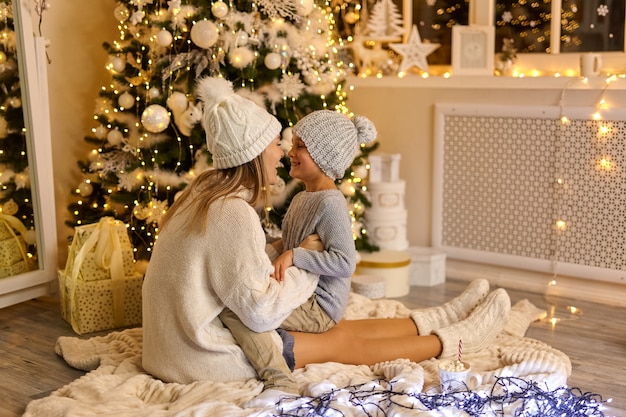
point(116, 385)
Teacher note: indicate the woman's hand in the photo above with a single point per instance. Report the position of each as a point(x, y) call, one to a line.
point(312, 242)
point(284, 261)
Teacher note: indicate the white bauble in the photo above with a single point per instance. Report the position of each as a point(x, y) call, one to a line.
point(85, 189)
point(241, 38)
point(155, 118)
point(154, 92)
point(304, 7)
point(115, 137)
point(204, 34)
point(361, 171)
point(121, 13)
point(100, 132)
point(347, 188)
point(164, 38)
point(126, 100)
point(272, 60)
point(30, 237)
point(118, 64)
point(15, 102)
point(219, 9)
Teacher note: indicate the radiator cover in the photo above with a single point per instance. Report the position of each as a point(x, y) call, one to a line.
point(518, 187)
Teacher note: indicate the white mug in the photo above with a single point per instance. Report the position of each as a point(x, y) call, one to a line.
point(590, 64)
point(458, 376)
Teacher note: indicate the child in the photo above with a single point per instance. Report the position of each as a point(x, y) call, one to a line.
point(324, 145)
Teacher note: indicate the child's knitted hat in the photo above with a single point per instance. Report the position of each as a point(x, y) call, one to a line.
point(332, 138)
point(237, 129)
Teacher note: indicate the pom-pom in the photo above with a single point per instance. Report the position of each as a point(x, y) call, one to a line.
point(213, 90)
point(366, 131)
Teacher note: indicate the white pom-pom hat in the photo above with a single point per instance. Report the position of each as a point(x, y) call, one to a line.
point(237, 129)
point(332, 139)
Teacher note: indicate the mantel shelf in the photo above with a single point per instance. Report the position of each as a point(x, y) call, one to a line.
point(490, 82)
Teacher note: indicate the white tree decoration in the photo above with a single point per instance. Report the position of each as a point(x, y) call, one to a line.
point(385, 22)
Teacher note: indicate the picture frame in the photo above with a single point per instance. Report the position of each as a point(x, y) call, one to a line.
point(473, 49)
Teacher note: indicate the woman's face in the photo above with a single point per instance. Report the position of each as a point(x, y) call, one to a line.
point(271, 156)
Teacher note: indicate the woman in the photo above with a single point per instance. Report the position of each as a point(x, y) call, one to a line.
point(211, 254)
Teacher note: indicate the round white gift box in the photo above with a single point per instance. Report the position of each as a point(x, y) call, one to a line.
point(370, 286)
point(391, 265)
point(387, 228)
point(387, 195)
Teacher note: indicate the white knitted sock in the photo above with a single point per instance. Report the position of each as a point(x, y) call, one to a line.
point(479, 329)
point(429, 319)
point(522, 314)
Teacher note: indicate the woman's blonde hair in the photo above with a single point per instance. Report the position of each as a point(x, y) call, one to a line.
point(214, 184)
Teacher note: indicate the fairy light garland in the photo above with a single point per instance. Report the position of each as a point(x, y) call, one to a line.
point(509, 396)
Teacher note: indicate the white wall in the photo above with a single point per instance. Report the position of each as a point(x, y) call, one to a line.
point(76, 30)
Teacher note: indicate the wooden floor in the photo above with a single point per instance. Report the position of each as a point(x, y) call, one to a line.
point(594, 339)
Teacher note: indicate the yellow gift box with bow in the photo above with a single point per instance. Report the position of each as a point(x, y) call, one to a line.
point(99, 287)
point(13, 258)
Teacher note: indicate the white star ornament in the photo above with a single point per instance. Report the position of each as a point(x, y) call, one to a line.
point(414, 52)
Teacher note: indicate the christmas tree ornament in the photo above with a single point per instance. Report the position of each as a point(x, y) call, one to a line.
point(361, 171)
point(30, 237)
point(85, 189)
point(10, 208)
point(241, 38)
point(204, 34)
point(118, 64)
point(241, 57)
point(3, 57)
point(155, 118)
point(272, 60)
point(164, 38)
point(100, 132)
point(15, 102)
point(219, 9)
point(154, 92)
point(4, 128)
point(115, 137)
point(304, 7)
point(415, 52)
point(121, 13)
point(126, 101)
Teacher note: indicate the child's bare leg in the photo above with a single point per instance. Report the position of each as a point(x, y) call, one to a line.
point(380, 328)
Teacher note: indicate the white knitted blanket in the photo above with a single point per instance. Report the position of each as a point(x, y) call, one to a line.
point(116, 385)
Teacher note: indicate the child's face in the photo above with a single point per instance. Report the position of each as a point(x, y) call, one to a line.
point(303, 167)
point(271, 157)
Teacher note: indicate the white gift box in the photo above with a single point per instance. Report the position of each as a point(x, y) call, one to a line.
point(370, 286)
point(384, 167)
point(391, 265)
point(387, 195)
point(428, 266)
point(387, 228)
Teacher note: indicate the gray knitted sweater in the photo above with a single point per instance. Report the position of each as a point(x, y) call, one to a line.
point(325, 213)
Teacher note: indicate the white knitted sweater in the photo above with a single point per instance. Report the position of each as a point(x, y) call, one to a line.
point(193, 275)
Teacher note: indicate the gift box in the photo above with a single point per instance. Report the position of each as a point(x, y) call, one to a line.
point(91, 306)
point(392, 266)
point(428, 266)
point(12, 246)
point(100, 288)
point(96, 245)
point(12, 270)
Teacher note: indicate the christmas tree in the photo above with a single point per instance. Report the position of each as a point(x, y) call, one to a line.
point(148, 144)
point(16, 204)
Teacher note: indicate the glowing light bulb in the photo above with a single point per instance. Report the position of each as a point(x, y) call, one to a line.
point(560, 224)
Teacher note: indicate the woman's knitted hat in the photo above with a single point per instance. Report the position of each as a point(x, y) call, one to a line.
point(237, 129)
point(332, 138)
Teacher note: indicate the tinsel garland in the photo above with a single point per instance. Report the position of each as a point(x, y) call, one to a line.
point(509, 396)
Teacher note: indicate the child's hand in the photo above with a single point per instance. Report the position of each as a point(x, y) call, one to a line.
point(312, 242)
point(284, 261)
